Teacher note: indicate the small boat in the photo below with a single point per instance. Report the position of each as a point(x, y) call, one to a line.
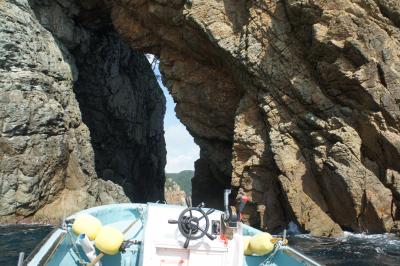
point(161, 235)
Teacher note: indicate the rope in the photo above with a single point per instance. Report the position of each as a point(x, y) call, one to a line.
point(278, 243)
point(268, 260)
point(279, 239)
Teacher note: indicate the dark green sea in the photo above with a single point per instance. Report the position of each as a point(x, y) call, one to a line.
point(352, 249)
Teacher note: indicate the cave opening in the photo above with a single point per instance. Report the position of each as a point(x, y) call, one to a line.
point(138, 141)
point(123, 107)
point(182, 151)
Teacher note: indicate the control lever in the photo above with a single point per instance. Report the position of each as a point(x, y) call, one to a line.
point(227, 215)
point(188, 201)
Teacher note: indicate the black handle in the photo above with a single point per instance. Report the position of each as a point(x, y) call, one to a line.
point(188, 201)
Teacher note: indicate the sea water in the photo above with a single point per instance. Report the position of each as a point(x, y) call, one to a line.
point(19, 238)
point(351, 249)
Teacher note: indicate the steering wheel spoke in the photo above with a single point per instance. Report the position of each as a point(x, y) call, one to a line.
point(188, 239)
point(211, 237)
point(207, 213)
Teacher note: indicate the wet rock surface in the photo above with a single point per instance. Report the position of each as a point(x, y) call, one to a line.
point(296, 102)
point(49, 156)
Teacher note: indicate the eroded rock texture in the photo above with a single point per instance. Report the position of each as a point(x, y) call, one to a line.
point(49, 155)
point(294, 101)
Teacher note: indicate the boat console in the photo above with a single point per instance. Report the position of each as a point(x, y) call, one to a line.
point(189, 236)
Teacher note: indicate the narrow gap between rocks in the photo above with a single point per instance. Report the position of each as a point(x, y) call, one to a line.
point(182, 151)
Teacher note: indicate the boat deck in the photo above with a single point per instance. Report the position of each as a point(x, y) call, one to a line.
point(59, 249)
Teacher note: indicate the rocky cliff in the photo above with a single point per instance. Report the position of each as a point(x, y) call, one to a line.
point(76, 104)
point(295, 102)
point(174, 193)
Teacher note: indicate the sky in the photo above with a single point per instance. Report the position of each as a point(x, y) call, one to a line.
point(182, 152)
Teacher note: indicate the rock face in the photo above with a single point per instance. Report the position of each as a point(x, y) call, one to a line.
point(52, 52)
point(124, 108)
point(173, 193)
point(296, 102)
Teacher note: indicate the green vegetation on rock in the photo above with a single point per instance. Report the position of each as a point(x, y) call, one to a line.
point(183, 179)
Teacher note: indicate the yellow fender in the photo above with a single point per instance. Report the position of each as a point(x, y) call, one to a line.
point(246, 242)
point(86, 224)
point(260, 244)
point(109, 240)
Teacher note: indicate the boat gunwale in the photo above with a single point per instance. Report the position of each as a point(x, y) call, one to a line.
point(299, 256)
point(49, 251)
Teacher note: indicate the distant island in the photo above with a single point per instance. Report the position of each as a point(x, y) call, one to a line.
point(178, 185)
point(183, 179)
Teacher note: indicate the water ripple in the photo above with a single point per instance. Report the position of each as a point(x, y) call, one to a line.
point(19, 238)
point(351, 249)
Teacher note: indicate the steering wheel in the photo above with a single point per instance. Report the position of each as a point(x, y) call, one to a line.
point(190, 225)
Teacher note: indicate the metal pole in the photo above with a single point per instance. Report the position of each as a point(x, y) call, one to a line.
point(21, 258)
